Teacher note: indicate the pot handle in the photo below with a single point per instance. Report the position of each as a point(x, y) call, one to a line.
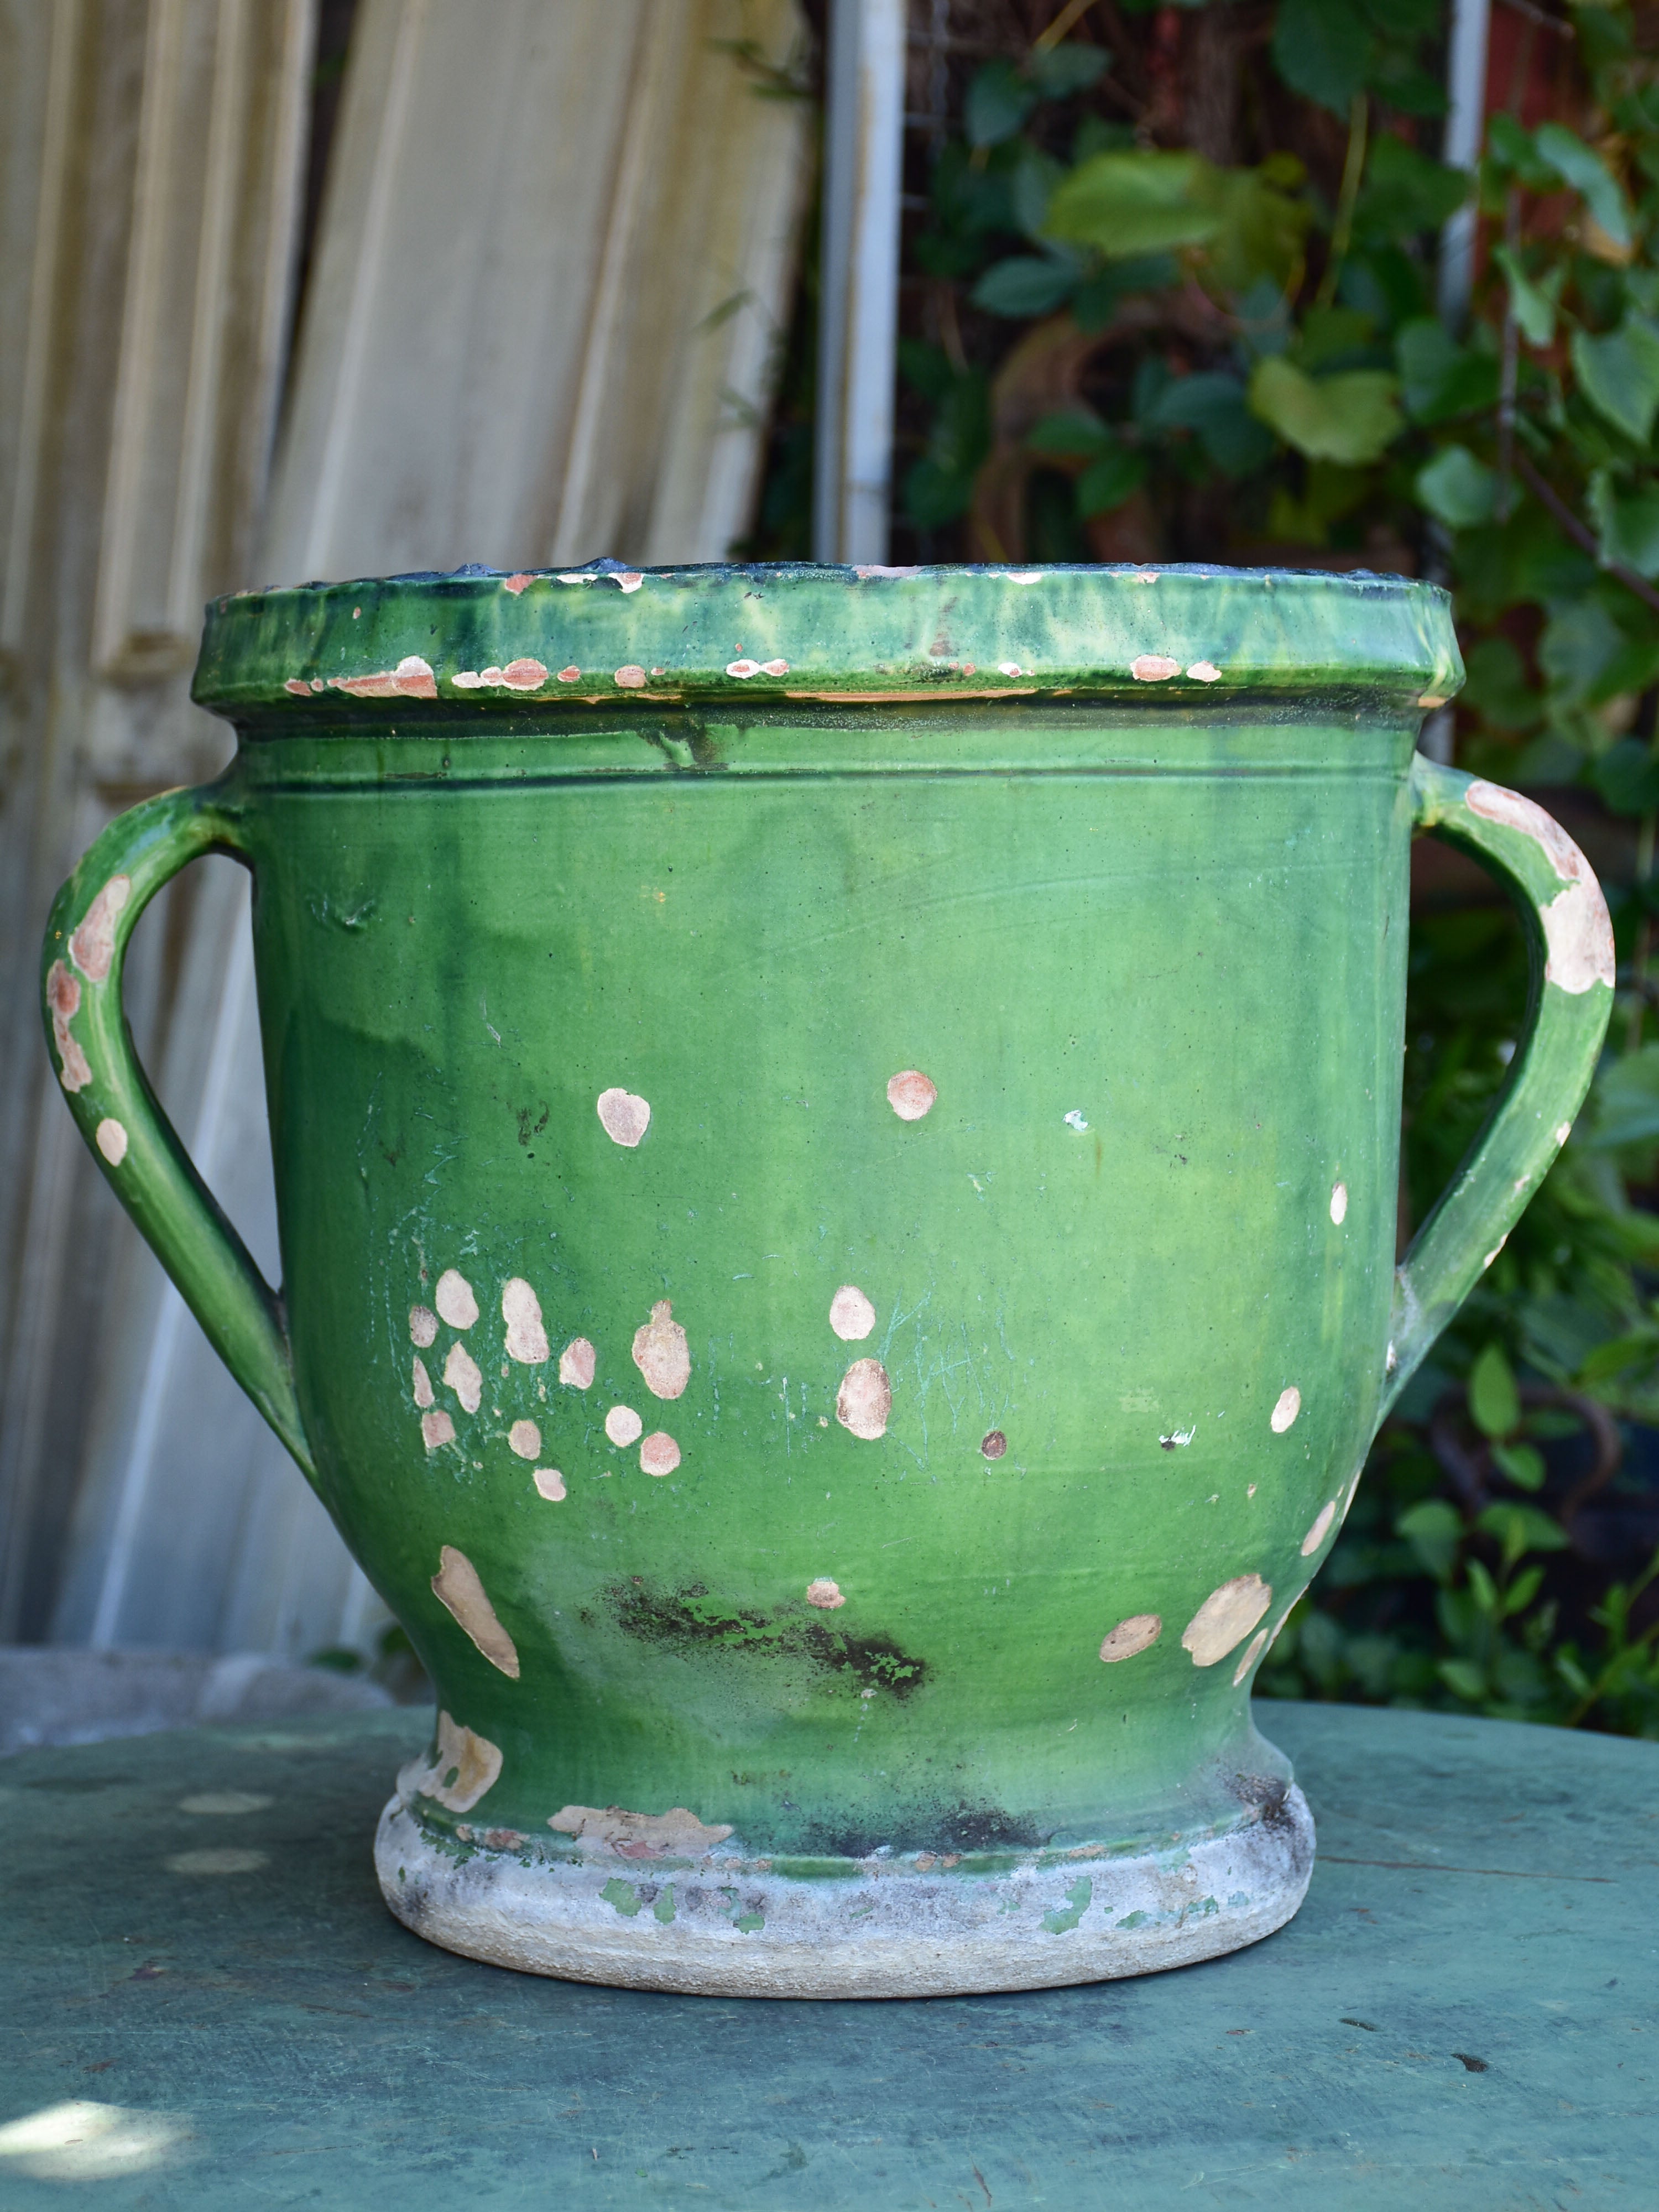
point(1570, 1002)
point(118, 1112)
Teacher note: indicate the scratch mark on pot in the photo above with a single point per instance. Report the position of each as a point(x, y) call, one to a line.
point(456, 1584)
point(864, 1400)
point(825, 1594)
point(412, 678)
point(437, 1430)
point(423, 1326)
point(662, 1353)
point(1153, 668)
point(677, 1833)
point(551, 1483)
point(1136, 1634)
point(421, 1383)
point(1225, 1619)
point(1286, 1411)
point(112, 1140)
point(852, 1316)
point(462, 1376)
point(524, 1439)
point(1316, 1536)
point(521, 1309)
point(1178, 1439)
point(659, 1454)
point(624, 1425)
point(91, 948)
point(64, 997)
point(1253, 1651)
point(454, 1300)
point(463, 1767)
point(910, 1094)
point(625, 1117)
point(576, 1363)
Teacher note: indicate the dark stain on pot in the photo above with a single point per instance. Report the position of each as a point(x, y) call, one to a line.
point(688, 1621)
point(527, 1129)
point(955, 1828)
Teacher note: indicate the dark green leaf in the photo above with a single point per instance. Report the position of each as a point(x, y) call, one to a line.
point(1110, 481)
point(1131, 204)
point(1574, 162)
point(1440, 379)
point(1494, 1401)
point(1063, 71)
point(1522, 1463)
point(998, 100)
point(1214, 406)
point(1626, 1100)
point(1070, 431)
point(1520, 1529)
point(1026, 284)
point(1510, 143)
point(1619, 374)
point(1463, 1679)
point(1434, 1531)
point(1405, 193)
point(1628, 523)
point(1457, 488)
point(1533, 305)
point(1498, 685)
point(1322, 49)
point(1628, 777)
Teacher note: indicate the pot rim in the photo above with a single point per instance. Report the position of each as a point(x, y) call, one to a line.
point(476, 642)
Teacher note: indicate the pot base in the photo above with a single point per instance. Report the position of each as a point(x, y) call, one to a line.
point(898, 1928)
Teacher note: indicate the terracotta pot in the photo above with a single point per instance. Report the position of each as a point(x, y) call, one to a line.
point(836, 1139)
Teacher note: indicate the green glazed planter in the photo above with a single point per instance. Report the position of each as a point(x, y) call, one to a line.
point(836, 1136)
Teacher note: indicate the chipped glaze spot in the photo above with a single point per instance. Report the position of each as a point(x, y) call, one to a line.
point(824, 1593)
point(775, 667)
point(662, 1353)
point(1075, 1119)
point(112, 1141)
point(461, 1374)
point(1289, 1406)
point(577, 1362)
point(1316, 1536)
point(517, 675)
point(1431, 699)
point(1153, 668)
point(992, 1445)
point(421, 1383)
point(1138, 1633)
point(437, 1428)
point(92, 947)
point(1225, 1619)
point(872, 569)
point(456, 1584)
point(1578, 931)
point(659, 1454)
point(674, 1834)
point(864, 1400)
point(63, 998)
point(521, 1309)
point(298, 686)
point(851, 1314)
point(1495, 1250)
point(910, 1094)
point(631, 678)
point(454, 1300)
point(1021, 575)
point(463, 1767)
point(1177, 1439)
point(521, 582)
point(412, 678)
point(551, 1483)
point(524, 1439)
point(743, 670)
point(1253, 1651)
point(1205, 671)
point(624, 1118)
point(624, 1425)
point(1008, 668)
point(423, 1326)
point(1339, 1203)
point(628, 579)
point(1563, 1133)
point(569, 675)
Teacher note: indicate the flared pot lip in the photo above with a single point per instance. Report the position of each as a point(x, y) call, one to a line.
point(478, 641)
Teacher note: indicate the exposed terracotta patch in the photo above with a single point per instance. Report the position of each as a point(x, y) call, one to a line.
point(1316, 1536)
point(551, 1483)
point(437, 1428)
point(659, 1454)
point(63, 1000)
point(910, 1094)
point(1286, 1411)
point(1431, 699)
point(993, 1444)
point(1339, 1203)
point(1153, 668)
point(454, 1300)
point(91, 948)
point(743, 670)
point(298, 685)
point(631, 678)
point(662, 1353)
point(1138, 1633)
point(774, 668)
point(569, 675)
point(624, 1425)
point(674, 1834)
point(112, 1140)
point(463, 1767)
point(412, 678)
point(623, 1117)
point(1253, 1651)
point(423, 1384)
point(521, 1309)
point(456, 1584)
point(1225, 1619)
point(628, 579)
point(525, 1438)
point(851, 1314)
point(825, 1594)
point(864, 1400)
point(423, 1326)
point(1578, 931)
point(1205, 671)
point(576, 1363)
point(461, 1374)
point(517, 583)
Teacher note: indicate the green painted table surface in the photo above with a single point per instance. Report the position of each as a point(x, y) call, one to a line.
point(1464, 2013)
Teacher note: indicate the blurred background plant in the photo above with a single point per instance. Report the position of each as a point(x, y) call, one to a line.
point(1170, 293)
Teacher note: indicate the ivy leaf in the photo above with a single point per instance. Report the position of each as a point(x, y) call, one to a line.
point(1533, 305)
point(1509, 144)
point(1351, 418)
point(1439, 378)
point(1026, 284)
point(1215, 407)
point(940, 486)
point(1576, 165)
point(1405, 194)
point(1063, 71)
point(1322, 49)
point(1628, 525)
point(1627, 1101)
point(1126, 204)
point(1069, 431)
point(998, 100)
point(1494, 1401)
point(1628, 777)
point(1112, 479)
point(1619, 374)
point(1458, 489)
point(1434, 1531)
